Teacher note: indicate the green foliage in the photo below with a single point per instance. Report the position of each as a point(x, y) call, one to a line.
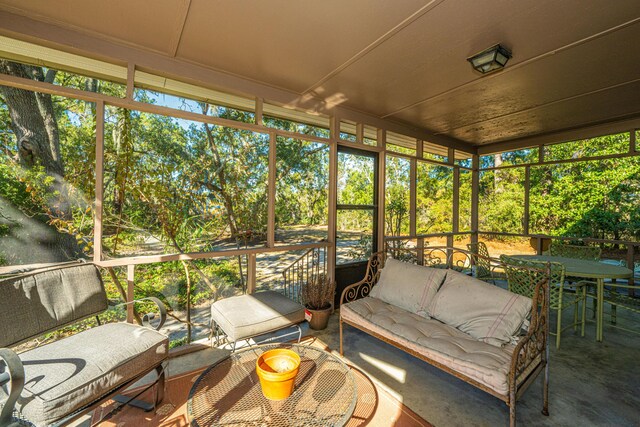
point(302, 182)
point(397, 189)
point(434, 198)
point(501, 200)
point(591, 198)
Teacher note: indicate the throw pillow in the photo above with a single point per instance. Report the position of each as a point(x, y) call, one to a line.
point(484, 311)
point(408, 286)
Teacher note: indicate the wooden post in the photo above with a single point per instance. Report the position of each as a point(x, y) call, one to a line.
point(475, 194)
point(131, 271)
point(413, 184)
point(251, 273)
point(131, 75)
point(97, 218)
point(334, 130)
point(359, 133)
point(382, 140)
point(541, 153)
point(455, 209)
point(271, 200)
point(527, 185)
point(420, 244)
point(632, 142)
point(259, 108)
point(630, 264)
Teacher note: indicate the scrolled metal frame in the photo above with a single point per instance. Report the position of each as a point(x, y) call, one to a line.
point(529, 357)
point(362, 288)
point(148, 317)
point(11, 373)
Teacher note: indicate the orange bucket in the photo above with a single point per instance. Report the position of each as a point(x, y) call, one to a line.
point(277, 370)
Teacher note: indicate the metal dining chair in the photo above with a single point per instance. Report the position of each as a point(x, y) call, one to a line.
point(560, 299)
point(590, 253)
point(484, 269)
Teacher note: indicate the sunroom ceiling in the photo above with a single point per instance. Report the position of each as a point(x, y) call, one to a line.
point(575, 62)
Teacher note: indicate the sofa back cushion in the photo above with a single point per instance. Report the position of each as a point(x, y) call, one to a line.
point(40, 302)
point(486, 312)
point(408, 286)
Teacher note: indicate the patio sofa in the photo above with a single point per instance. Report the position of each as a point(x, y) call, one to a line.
point(484, 335)
point(54, 383)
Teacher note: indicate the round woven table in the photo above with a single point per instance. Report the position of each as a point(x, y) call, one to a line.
point(228, 393)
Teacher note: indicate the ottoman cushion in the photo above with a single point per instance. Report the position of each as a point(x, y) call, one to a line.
point(246, 316)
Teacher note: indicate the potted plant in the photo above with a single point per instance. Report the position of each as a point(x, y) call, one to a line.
point(317, 296)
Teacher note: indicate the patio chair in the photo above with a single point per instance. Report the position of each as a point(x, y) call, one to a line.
point(559, 299)
point(617, 299)
point(483, 269)
point(590, 253)
point(52, 384)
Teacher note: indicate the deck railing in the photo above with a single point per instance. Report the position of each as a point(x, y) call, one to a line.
point(309, 265)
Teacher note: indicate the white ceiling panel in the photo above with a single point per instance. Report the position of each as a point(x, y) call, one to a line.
point(614, 104)
point(289, 44)
point(574, 61)
point(429, 57)
point(150, 24)
point(593, 66)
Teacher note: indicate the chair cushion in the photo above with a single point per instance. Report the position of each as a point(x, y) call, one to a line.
point(71, 373)
point(408, 286)
point(246, 316)
point(486, 312)
point(444, 344)
point(36, 303)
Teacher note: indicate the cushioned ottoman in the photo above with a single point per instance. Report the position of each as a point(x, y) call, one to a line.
point(245, 316)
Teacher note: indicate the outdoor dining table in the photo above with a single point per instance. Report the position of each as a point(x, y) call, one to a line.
point(590, 270)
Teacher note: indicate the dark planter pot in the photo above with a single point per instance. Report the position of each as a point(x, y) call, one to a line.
point(319, 318)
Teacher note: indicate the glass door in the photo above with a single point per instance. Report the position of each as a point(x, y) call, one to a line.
point(357, 214)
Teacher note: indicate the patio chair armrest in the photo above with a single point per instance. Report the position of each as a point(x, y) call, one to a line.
point(12, 373)
point(146, 318)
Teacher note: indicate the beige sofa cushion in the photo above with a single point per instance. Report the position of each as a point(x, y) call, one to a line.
point(482, 310)
point(444, 344)
point(408, 286)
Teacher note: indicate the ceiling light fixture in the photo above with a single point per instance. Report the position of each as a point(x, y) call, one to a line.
point(491, 59)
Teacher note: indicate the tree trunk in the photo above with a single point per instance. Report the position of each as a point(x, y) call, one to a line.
point(33, 120)
point(34, 124)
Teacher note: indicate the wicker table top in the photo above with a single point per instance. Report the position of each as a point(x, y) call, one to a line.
point(228, 393)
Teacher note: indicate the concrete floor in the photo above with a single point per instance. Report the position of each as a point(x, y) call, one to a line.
point(591, 383)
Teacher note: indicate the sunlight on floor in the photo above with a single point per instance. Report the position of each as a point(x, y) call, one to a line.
point(394, 372)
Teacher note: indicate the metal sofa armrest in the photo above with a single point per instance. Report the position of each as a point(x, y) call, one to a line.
point(363, 287)
point(147, 318)
point(532, 350)
point(11, 373)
